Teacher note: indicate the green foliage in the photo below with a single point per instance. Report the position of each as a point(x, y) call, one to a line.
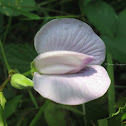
point(72, 109)
point(2, 100)
point(2, 118)
point(19, 56)
point(8, 7)
point(33, 99)
point(29, 15)
point(117, 119)
point(102, 16)
point(121, 101)
point(116, 46)
point(111, 26)
point(95, 110)
point(54, 115)
point(1, 22)
point(82, 5)
point(11, 105)
point(39, 114)
point(121, 30)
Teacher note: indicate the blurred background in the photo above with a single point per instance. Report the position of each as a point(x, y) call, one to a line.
point(19, 22)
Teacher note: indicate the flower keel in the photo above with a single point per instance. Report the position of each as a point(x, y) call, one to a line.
point(61, 62)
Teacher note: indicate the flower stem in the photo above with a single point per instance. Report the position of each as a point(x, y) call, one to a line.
point(84, 114)
point(111, 91)
point(4, 84)
point(27, 73)
point(4, 56)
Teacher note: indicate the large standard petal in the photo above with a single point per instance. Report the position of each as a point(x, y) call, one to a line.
point(71, 35)
point(73, 89)
point(61, 62)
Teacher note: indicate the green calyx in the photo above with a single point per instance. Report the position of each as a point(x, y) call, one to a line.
point(19, 81)
point(33, 69)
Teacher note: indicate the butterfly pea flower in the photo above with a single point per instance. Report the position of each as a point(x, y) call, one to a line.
point(68, 65)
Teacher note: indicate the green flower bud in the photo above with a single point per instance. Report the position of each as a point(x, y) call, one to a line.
point(2, 100)
point(19, 81)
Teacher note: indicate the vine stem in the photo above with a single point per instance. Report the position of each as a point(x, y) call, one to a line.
point(4, 83)
point(4, 56)
point(84, 114)
point(111, 91)
point(33, 99)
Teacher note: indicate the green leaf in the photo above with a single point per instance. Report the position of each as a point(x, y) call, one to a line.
point(117, 119)
point(54, 115)
point(123, 119)
point(120, 101)
point(103, 122)
point(29, 15)
point(20, 56)
point(82, 5)
point(102, 16)
point(95, 110)
point(2, 100)
point(11, 105)
point(116, 46)
point(6, 6)
point(122, 24)
point(2, 118)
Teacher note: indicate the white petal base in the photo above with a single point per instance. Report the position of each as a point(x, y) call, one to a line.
point(73, 89)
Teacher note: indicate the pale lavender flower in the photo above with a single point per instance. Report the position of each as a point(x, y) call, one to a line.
point(68, 65)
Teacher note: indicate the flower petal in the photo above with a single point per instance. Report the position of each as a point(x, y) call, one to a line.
point(71, 35)
point(73, 89)
point(61, 62)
